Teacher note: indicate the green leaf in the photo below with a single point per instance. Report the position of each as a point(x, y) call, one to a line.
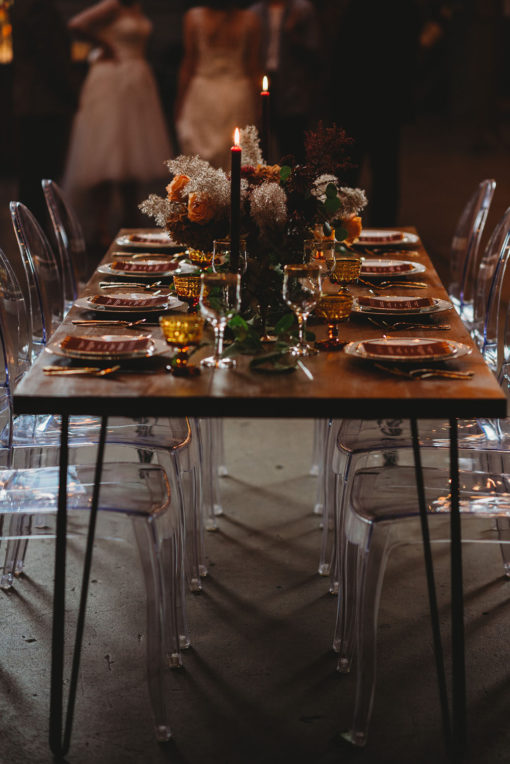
point(285, 323)
point(331, 190)
point(278, 362)
point(285, 172)
point(341, 234)
point(332, 205)
point(326, 228)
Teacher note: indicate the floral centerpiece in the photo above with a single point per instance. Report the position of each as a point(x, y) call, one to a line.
point(281, 206)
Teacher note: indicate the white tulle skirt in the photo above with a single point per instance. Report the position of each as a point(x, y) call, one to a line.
point(212, 109)
point(119, 132)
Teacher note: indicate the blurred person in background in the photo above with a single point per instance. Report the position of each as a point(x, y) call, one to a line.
point(290, 58)
point(44, 97)
point(372, 76)
point(219, 79)
point(119, 138)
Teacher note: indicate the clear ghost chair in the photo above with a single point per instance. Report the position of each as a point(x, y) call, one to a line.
point(464, 249)
point(358, 436)
point(381, 513)
point(69, 238)
point(141, 493)
point(26, 440)
point(45, 293)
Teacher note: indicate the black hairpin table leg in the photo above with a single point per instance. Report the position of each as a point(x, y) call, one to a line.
point(457, 595)
point(59, 746)
point(431, 586)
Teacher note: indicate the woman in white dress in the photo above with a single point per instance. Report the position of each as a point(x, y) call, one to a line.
point(219, 79)
point(119, 137)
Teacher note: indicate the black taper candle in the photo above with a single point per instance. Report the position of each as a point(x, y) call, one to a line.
point(265, 120)
point(235, 202)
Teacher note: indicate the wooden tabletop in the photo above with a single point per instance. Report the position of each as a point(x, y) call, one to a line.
point(342, 386)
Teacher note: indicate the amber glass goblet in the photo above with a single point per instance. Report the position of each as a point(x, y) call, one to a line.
point(187, 288)
point(347, 267)
point(333, 308)
point(182, 331)
point(200, 258)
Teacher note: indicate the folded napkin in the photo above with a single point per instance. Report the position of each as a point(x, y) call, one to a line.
point(144, 267)
point(107, 344)
point(386, 268)
point(380, 237)
point(133, 301)
point(396, 303)
point(407, 349)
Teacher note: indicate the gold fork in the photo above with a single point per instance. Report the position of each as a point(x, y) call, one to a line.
point(425, 373)
point(93, 371)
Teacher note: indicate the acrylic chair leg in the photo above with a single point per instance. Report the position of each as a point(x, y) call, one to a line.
point(15, 549)
point(319, 431)
point(503, 530)
point(160, 559)
point(221, 462)
point(370, 587)
point(209, 465)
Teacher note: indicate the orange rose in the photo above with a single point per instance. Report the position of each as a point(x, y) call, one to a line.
point(353, 227)
point(176, 187)
point(200, 208)
point(267, 172)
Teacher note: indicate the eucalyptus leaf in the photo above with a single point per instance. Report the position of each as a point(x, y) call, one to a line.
point(285, 172)
point(341, 234)
point(285, 323)
point(332, 205)
point(331, 190)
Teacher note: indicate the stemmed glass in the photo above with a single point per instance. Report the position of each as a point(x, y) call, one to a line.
point(221, 255)
point(322, 252)
point(333, 308)
point(301, 292)
point(182, 331)
point(220, 298)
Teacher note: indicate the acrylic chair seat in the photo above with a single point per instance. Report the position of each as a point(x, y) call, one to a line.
point(381, 513)
point(141, 493)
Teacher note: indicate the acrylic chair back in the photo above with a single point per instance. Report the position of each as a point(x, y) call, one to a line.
point(491, 296)
point(45, 293)
point(69, 237)
point(465, 246)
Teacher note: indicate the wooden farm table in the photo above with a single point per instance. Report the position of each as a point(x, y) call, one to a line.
point(342, 387)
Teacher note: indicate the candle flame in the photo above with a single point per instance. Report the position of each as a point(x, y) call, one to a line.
point(237, 137)
point(265, 83)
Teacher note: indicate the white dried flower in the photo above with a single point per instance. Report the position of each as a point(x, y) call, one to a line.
point(269, 205)
point(321, 183)
point(158, 208)
point(250, 145)
point(353, 200)
point(203, 178)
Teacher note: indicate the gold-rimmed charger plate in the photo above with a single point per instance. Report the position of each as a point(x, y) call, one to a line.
point(387, 238)
point(153, 239)
point(358, 349)
point(182, 269)
point(171, 303)
point(385, 264)
point(156, 347)
point(438, 307)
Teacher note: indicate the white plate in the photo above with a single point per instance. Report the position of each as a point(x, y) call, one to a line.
point(438, 307)
point(183, 268)
point(172, 303)
point(416, 268)
point(153, 239)
point(157, 347)
point(407, 240)
point(356, 349)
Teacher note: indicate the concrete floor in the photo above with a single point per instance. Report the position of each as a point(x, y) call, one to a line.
point(259, 684)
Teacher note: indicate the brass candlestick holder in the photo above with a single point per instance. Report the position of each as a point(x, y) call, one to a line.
point(187, 287)
point(333, 308)
point(182, 331)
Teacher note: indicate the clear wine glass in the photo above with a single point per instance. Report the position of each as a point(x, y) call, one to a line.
point(221, 255)
point(301, 292)
point(220, 298)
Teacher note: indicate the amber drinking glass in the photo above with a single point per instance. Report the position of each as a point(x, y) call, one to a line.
point(188, 289)
point(182, 331)
point(333, 308)
point(200, 258)
point(347, 267)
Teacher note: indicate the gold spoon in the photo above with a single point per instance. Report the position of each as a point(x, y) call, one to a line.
point(93, 371)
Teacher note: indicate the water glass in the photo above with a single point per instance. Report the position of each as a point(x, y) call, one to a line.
point(301, 292)
point(220, 298)
point(221, 255)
